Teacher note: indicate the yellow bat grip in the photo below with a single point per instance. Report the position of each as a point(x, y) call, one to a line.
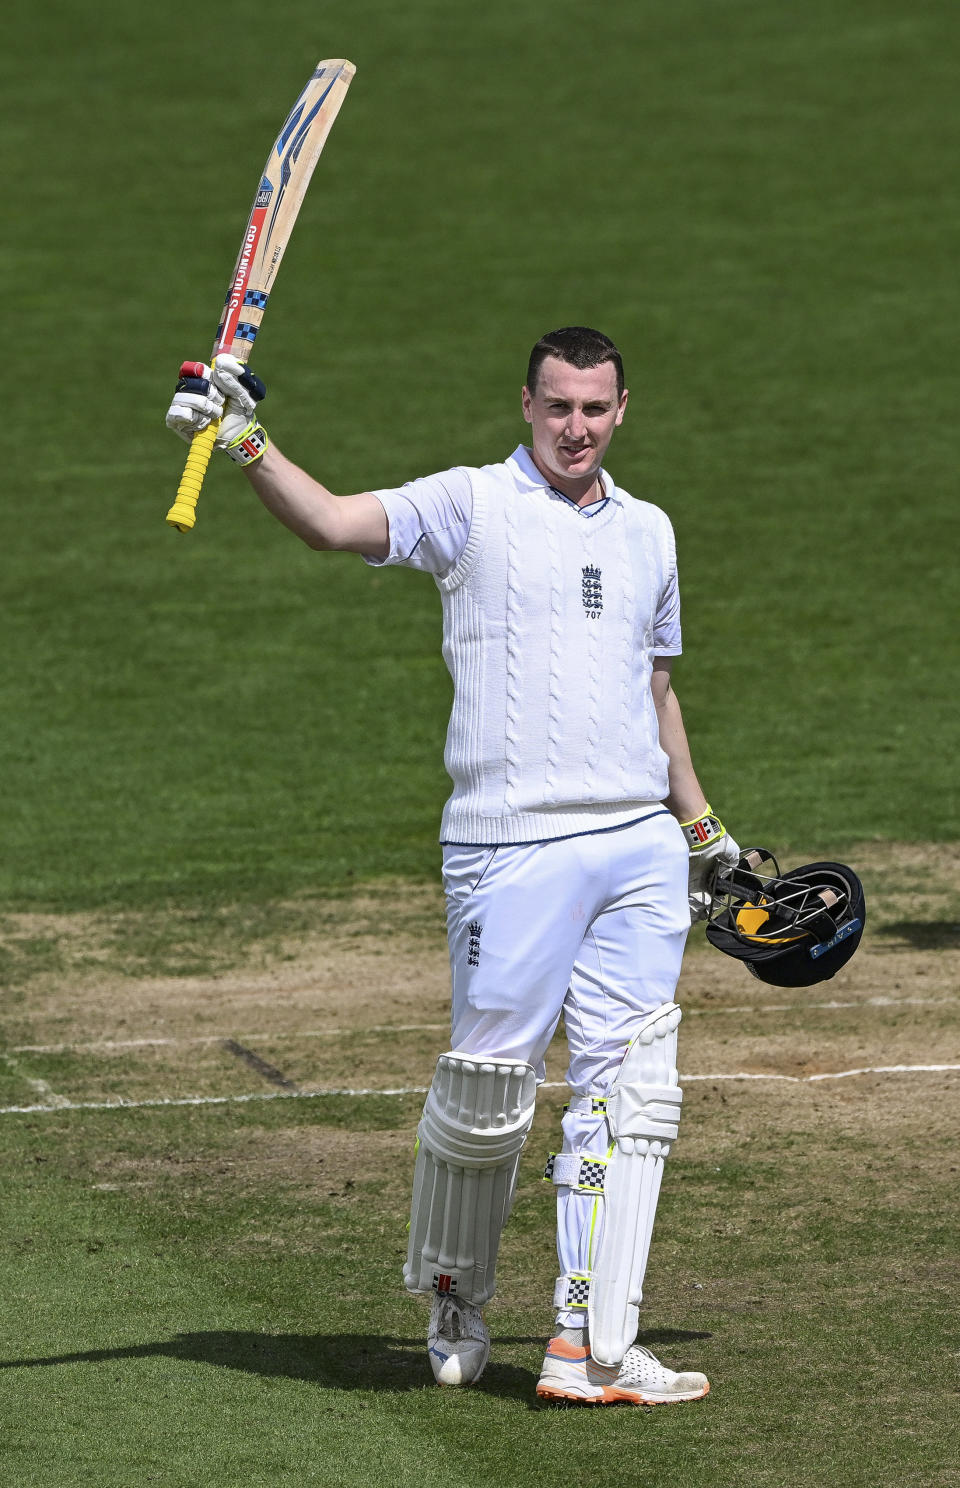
point(183, 512)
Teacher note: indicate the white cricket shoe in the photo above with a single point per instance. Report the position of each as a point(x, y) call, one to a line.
point(458, 1341)
point(570, 1373)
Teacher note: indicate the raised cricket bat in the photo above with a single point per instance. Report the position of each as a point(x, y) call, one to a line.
point(282, 188)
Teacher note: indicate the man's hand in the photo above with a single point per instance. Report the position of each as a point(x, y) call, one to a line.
point(226, 391)
point(710, 846)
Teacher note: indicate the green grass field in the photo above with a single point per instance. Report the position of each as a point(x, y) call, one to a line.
point(219, 749)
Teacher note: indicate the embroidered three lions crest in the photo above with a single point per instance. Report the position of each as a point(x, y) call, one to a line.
point(592, 591)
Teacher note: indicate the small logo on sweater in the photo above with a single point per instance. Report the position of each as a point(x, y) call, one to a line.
point(474, 930)
point(592, 591)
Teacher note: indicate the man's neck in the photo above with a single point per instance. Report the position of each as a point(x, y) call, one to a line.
point(582, 492)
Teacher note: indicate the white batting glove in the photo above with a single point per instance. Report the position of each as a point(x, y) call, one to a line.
point(710, 847)
point(228, 392)
point(195, 402)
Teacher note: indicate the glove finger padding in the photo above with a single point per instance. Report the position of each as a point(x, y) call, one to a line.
point(196, 402)
point(242, 389)
point(226, 392)
point(189, 413)
point(240, 434)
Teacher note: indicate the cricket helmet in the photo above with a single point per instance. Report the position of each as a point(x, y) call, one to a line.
point(792, 929)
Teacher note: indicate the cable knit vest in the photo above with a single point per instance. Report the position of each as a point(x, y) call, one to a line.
point(548, 622)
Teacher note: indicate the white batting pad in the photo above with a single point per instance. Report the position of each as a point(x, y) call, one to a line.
point(643, 1111)
point(475, 1121)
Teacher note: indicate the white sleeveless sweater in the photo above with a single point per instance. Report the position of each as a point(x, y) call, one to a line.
point(548, 634)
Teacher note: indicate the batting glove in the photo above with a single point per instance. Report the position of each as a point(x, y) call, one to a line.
point(226, 391)
point(710, 846)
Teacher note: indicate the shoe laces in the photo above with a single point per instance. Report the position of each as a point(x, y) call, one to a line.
point(457, 1321)
point(449, 1320)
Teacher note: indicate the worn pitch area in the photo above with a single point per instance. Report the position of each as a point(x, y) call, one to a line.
point(357, 1001)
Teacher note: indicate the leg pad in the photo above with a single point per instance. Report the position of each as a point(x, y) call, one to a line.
point(643, 1112)
point(475, 1121)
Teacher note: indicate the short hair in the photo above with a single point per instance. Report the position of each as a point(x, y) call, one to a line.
point(579, 346)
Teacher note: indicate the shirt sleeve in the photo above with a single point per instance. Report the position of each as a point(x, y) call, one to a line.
point(429, 521)
point(666, 628)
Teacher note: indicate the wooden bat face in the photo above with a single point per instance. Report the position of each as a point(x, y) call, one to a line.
point(283, 184)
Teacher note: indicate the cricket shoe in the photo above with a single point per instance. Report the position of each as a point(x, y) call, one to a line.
point(458, 1341)
point(571, 1373)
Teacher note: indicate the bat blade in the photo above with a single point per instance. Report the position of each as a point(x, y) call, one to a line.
point(283, 185)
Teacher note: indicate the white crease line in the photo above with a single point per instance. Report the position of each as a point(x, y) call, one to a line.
point(120, 1104)
point(886, 1069)
point(52, 1100)
point(225, 1100)
point(311, 1033)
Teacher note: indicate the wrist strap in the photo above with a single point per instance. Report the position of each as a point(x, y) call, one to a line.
point(249, 445)
point(704, 831)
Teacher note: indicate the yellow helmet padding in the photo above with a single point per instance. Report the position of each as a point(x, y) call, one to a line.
point(751, 919)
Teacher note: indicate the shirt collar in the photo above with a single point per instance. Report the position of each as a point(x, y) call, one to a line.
point(528, 476)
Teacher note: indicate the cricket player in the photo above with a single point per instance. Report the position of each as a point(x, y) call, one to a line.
point(578, 846)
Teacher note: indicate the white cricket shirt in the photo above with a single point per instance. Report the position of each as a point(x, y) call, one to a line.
point(552, 615)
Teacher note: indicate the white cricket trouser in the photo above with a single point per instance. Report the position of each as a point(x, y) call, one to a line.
point(592, 927)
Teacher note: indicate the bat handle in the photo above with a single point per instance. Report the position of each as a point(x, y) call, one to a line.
point(183, 512)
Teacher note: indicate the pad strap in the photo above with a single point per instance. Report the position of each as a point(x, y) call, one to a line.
point(582, 1171)
point(572, 1290)
point(587, 1105)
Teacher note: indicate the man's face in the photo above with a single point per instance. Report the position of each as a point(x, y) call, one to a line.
point(573, 414)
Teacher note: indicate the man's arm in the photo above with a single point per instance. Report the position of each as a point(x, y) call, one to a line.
point(686, 799)
point(424, 524)
point(353, 524)
point(709, 842)
point(229, 393)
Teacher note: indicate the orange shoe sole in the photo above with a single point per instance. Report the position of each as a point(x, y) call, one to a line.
point(610, 1395)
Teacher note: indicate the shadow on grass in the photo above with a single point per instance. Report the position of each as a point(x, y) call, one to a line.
point(341, 1361)
point(923, 935)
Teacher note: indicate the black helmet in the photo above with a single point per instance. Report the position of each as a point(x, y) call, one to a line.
point(792, 929)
